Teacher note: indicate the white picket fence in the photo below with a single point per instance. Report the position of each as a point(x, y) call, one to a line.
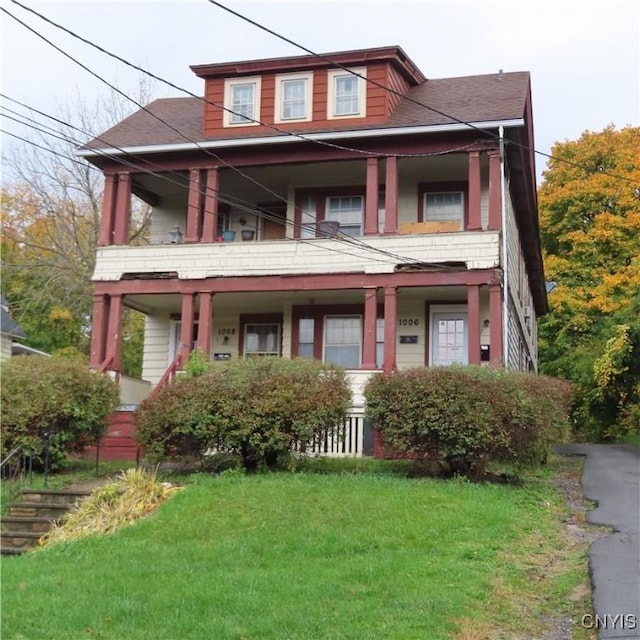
point(347, 441)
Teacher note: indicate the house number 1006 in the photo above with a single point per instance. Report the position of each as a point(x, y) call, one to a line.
point(408, 322)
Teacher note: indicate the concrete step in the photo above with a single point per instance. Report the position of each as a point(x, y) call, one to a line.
point(30, 518)
point(65, 497)
point(19, 540)
point(36, 524)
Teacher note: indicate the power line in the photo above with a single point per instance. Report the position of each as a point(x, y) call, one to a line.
point(238, 204)
point(221, 107)
point(343, 237)
point(243, 205)
point(406, 97)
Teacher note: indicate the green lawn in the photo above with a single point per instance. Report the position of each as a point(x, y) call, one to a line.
point(287, 556)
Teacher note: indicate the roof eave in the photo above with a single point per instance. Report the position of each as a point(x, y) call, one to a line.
point(294, 137)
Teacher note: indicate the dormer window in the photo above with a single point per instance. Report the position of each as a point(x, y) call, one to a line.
point(242, 101)
point(346, 93)
point(293, 97)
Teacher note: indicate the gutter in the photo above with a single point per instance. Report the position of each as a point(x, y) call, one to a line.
point(505, 248)
point(300, 137)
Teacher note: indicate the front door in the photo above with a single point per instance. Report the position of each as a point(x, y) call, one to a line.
point(449, 338)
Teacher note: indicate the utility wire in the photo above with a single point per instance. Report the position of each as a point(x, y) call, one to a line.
point(221, 107)
point(238, 204)
point(409, 98)
point(230, 200)
point(343, 237)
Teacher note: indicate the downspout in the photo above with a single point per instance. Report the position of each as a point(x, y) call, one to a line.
point(505, 266)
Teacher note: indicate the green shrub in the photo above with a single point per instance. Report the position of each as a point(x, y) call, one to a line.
point(463, 418)
point(59, 396)
point(258, 408)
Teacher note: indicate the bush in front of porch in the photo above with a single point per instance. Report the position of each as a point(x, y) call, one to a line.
point(59, 398)
point(461, 419)
point(259, 409)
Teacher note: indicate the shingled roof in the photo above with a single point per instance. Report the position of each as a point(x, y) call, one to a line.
point(477, 99)
point(8, 325)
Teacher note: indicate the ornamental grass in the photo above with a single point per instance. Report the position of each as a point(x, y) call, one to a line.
point(134, 494)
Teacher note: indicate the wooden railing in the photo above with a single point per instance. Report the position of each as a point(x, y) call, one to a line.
point(170, 374)
point(347, 441)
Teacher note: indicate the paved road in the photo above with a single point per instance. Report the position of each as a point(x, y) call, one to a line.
point(611, 478)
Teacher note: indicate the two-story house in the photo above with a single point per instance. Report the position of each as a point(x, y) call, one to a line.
point(341, 207)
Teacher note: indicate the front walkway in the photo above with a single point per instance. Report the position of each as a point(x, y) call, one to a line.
point(611, 479)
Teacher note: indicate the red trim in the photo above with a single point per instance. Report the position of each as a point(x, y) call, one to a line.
point(192, 233)
point(205, 318)
point(108, 210)
point(259, 318)
point(114, 335)
point(474, 223)
point(391, 195)
point(123, 210)
point(369, 338)
point(187, 319)
point(390, 321)
point(314, 282)
point(473, 322)
point(495, 325)
point(210, 221)
point(371, 198)
point(393, 55)
point(444, 187)
point(99, 328)
point(495, 192)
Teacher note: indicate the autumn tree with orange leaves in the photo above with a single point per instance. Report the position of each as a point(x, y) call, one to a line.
point(589, 206)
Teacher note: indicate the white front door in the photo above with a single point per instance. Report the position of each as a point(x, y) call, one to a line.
point(449, 338)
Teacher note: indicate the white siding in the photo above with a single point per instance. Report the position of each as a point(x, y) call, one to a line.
point(478, 250)
point(156, 348)
point(411, 355)
point(522, 325)
point(5, 346)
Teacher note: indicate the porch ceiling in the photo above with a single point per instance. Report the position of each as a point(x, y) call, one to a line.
point(167, 304)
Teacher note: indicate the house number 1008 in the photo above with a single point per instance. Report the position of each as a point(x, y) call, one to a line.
point(408, 322)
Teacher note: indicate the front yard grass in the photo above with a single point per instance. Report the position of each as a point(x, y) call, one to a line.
point(311, 556)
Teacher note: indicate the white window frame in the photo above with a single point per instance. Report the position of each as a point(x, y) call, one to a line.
point(324, 335)
point(458, 218)
point(250, 354)
point(332, 75)
point(229, 84)
point(308, 94)
point(362, 206)
point(436, 312)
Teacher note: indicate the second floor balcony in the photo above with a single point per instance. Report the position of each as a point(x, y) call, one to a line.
point(288, 217)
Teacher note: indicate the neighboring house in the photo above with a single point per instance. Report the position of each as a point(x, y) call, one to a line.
point(370, 231)
point(9, 330)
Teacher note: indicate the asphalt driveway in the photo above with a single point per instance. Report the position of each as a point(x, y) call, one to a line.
point(611, 479)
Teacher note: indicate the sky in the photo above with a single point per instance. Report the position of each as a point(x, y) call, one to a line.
point(583, 56)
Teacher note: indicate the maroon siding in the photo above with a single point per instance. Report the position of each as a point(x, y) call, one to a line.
point(119, 443)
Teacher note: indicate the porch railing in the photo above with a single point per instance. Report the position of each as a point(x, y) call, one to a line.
point(347, 441)
point(170, 374)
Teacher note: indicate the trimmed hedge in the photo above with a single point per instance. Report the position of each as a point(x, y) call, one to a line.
point(59, 396)
point(257, 408)
point(463, 418)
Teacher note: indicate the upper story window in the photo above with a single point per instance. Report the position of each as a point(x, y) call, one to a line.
point(242, 99)
point(444, 205)
point(439, 207)
point(348, 212)
point(293, 97)
point(346, 94)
